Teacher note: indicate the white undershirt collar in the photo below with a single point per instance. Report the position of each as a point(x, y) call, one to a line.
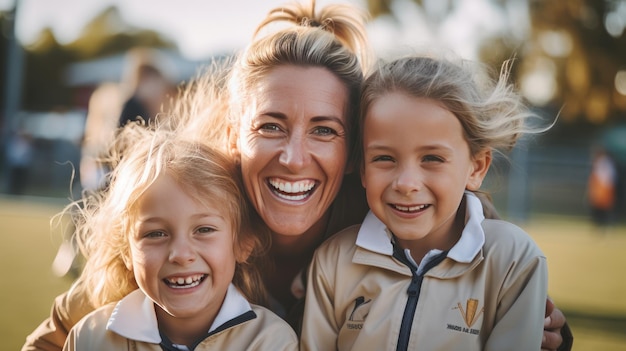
point(374, 236)
point(134, 317)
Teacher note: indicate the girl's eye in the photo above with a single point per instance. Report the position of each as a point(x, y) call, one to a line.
point(325, 131)
point(432, 158)
point(206, 230)
point(382, 158)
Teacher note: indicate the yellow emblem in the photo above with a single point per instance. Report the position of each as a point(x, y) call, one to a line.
point(469, 313)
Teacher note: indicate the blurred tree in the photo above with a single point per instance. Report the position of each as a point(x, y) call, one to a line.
point(44, 87)
point(109, 34)
point(573, 57)
point(381, 7)
point(585, 43)
point(47, 59)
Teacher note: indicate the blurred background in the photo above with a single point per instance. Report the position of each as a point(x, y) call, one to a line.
point(71, 69)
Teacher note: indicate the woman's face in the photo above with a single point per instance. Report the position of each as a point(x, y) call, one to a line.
point(293, 144)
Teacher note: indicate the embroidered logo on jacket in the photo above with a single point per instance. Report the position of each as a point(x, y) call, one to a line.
point(360, 310)
point(470, 315)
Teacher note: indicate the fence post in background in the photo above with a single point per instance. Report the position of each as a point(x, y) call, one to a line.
point(12, 92)
point(518, 189)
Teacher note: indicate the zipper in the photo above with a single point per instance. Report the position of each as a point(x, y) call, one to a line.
point(413, 292)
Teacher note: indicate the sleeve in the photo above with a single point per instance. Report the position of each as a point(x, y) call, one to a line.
point(67, 309)
point(319, 326)
point(520, 315)
point(275, 337)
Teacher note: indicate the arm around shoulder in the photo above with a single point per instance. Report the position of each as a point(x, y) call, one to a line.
point(67, 309)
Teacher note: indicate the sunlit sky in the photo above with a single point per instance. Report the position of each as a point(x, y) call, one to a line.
point(202, 28)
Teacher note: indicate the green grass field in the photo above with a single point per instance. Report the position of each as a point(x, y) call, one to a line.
point(586, 273)
point(27, 248)
point(586, 278)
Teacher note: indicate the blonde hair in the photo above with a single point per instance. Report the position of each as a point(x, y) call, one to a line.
point(491, 113)
point(201, 107)
point(333, 38)
point(104, 219)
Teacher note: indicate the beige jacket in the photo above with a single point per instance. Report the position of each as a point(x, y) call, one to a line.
point(488, 293)
point(67, 309)
point(131, 324)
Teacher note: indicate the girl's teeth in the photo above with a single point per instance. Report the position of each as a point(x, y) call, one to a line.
point(411, 208)
point(180, 281)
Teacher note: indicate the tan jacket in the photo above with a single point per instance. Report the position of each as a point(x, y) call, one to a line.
point(488, 293)
point(131, 324)
point(67, 309)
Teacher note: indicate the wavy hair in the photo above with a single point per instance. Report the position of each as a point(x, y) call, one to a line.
point(333, 38)
point(493, 115)
point(104, 219)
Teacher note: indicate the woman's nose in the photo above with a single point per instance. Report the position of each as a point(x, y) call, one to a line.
point(295, 153)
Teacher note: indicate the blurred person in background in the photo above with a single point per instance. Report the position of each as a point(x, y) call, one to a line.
point(147, 84)
point(145, 90)
point(602, 188)
point(103, 113)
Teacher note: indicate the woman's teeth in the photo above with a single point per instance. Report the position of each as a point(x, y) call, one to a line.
point(292, 190)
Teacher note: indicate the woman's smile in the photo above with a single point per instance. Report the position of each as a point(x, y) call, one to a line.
point(292, 191)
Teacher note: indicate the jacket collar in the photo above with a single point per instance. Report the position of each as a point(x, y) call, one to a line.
point(374, 235)
point(134, 318)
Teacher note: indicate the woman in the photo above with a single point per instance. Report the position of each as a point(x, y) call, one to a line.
point(293, 99)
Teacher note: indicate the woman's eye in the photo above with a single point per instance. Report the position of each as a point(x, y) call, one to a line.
point(325, 131)
point(270, 127)
point(155, 234)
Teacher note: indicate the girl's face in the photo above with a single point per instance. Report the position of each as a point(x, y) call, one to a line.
point(182, 252)
point(292, 141)
point(417, 167)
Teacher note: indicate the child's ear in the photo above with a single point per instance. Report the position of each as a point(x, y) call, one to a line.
point(246, 246)
point(480, 165)
point(127, 260)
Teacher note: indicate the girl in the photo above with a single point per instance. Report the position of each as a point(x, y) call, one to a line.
point(169, 254)
point(428, 271)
